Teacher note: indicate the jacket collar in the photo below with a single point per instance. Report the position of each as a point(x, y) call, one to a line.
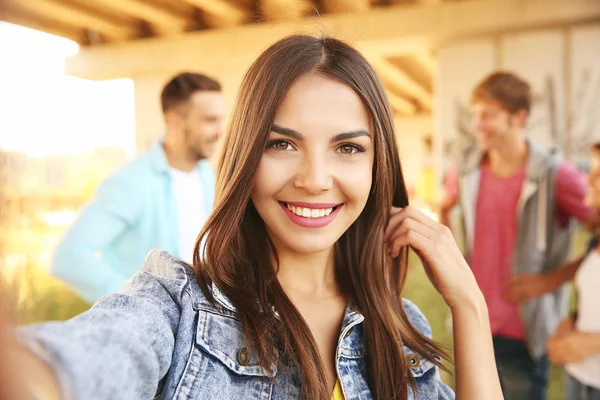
point(538, 162)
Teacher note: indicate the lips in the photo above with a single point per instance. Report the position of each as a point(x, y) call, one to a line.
point(311, 215)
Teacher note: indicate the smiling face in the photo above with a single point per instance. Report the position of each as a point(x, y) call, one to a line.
point(202, 123)
point(494, 125)
point(314, 178)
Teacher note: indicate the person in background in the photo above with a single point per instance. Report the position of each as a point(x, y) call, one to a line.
point(159, 200)
point(517, 202)
point(576, 342)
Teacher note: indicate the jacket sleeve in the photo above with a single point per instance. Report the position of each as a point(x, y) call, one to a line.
point(78, 259)
point(122, 347)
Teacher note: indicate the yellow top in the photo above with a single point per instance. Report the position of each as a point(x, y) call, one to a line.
point(337, 392)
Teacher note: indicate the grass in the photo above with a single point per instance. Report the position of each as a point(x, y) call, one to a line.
point(34, 296)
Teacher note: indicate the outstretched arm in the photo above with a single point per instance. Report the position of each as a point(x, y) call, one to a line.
point(123, 344)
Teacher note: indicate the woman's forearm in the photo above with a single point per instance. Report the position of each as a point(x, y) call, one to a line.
point(476, 373)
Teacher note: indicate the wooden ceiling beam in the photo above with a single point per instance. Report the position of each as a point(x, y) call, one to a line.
point(345, 6)
point(71, 13)
point(395, 28)
point(163, 20)
point(224, 13)
point(284, 9)
point(398, 79)
point(401, 105)
point(15, 15)
point(426, 61)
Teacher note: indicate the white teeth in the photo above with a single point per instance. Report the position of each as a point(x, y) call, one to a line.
point(309, 212)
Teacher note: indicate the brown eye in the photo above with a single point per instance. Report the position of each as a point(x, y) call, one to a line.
point(280, 145)
point(348, 149)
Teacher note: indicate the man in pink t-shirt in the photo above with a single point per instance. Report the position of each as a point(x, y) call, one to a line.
point(516, 201)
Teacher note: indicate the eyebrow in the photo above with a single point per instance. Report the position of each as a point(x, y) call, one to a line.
point(337, 138)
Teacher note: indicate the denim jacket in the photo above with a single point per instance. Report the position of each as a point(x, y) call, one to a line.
point(159, 338)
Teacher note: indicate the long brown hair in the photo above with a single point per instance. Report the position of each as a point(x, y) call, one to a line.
point(238, 254)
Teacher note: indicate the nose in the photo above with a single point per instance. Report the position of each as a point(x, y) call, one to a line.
point(314, 175)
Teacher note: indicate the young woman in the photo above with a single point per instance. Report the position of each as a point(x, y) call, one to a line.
point(576, 342)
point(296, 290)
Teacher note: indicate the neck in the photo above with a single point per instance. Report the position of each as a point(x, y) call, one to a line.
point(308, 274)
point(178, 158)
point(509, 157)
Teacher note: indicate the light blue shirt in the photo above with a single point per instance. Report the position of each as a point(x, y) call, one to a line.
point(132, 212)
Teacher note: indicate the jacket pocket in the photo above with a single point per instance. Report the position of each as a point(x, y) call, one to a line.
point(222, 337)
point(220, 365)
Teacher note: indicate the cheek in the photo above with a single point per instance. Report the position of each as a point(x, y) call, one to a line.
point(355, 180)
point(271, 176)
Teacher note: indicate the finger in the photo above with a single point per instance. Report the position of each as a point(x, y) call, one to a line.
point(414, 239)
point(406, 212)
point(420, 216)
point(394, 221)
point(395, 210)
point(408, 224)
point(392, 226)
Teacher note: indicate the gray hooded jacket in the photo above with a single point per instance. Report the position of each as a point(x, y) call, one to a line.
point(542, 243)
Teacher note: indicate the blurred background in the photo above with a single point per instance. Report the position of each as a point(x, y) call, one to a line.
point(80, 83)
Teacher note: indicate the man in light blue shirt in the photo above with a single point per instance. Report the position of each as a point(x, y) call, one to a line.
point(159, 200)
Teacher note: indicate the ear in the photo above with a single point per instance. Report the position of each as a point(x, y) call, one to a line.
point(520, 117)
point(172, 119)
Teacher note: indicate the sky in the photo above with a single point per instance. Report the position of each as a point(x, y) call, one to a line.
point(45, 112)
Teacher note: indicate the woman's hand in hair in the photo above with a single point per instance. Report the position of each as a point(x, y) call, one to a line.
point(476, 373)
point(441, 257)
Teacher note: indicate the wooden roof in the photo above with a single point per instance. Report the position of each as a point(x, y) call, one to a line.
point(406, 66)
point(95, 22)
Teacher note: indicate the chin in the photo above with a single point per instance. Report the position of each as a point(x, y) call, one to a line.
point(311, 247)
point(292, 239)
point(307, 243)
point(486, 144)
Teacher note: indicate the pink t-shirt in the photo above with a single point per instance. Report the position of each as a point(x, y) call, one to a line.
point(496, 225)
